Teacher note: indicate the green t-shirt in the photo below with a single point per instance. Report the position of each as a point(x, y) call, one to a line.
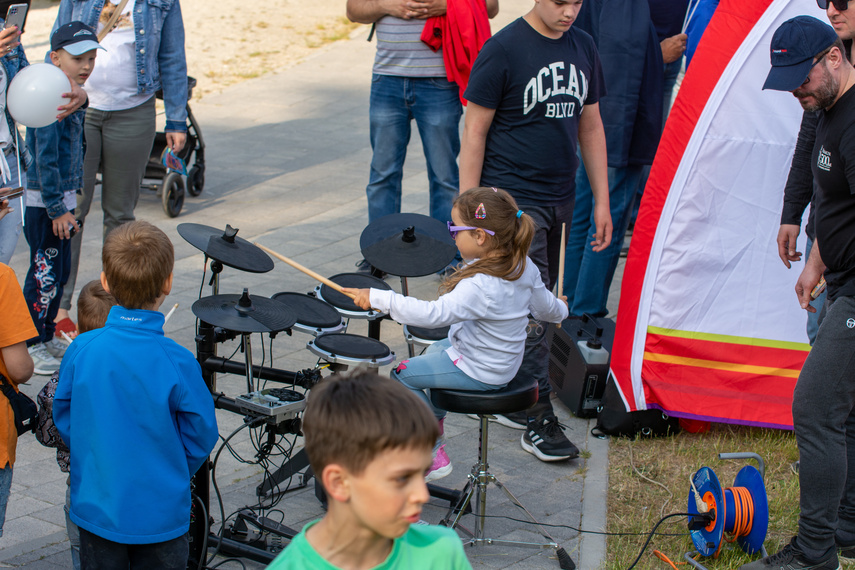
point(422, 547)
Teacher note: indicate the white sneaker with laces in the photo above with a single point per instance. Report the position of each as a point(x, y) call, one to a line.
point(56, 347)
point(43, 361)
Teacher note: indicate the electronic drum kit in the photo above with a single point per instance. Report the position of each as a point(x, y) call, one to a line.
point(403, 245)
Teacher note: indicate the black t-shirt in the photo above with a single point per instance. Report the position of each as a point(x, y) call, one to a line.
point(538, 86)
point(833, 166)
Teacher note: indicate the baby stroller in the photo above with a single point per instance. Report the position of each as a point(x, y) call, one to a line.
point(169, 184)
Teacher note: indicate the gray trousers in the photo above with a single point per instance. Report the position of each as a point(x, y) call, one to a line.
point(824, 421)
point(120, 143)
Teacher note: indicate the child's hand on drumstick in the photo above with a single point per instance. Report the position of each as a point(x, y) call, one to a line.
point(563, 299)
point(4, 208)
point(360, 297)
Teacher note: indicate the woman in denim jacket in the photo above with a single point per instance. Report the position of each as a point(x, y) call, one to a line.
point(145, 53)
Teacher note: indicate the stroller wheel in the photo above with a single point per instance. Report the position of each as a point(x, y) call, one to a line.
point(196, 180)
point(172, 191)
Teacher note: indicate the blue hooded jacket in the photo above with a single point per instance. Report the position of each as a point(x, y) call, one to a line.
point(139, 421)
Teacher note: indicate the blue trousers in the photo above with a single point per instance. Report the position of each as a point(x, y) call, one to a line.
point(50, 259)
point(435, 105)
point(434, 369)
point(588, 274)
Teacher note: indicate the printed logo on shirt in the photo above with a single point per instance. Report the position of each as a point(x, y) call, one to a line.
point(850, 323)
point(552, 81)
point(51, 252)
point(132, 319)
point(823, 161)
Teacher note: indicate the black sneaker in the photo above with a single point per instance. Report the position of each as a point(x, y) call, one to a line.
point(544, 437)
point(846, 551)
point(790, 558)
point(367, 269)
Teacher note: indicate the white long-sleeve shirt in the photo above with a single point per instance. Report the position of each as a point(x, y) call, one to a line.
point(488, 317)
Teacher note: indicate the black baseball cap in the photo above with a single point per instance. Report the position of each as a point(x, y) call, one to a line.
point(74, 37)
point(794, 45)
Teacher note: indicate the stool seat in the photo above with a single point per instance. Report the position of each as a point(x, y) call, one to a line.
point(517, 396)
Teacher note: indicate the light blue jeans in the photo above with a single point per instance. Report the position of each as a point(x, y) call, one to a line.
point(434, 103)
point(813, 318)
point(10, 225)
point(5, 490)
point(588, 274)
point(434, 369)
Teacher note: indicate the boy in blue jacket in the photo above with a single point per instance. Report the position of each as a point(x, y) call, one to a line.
point(133, 410)
point(53, 180)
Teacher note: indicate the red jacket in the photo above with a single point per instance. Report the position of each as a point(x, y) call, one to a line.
point(461, 33)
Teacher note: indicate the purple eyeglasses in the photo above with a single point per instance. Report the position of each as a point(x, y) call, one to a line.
point(454, 229)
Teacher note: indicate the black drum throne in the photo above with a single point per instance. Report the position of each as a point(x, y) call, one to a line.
point(515, 397)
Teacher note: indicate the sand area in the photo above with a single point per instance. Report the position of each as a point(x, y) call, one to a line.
point(228, 41)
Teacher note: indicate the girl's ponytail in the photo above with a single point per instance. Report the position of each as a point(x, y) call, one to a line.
point(495, 210)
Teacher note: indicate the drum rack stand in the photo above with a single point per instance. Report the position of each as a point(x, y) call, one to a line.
point(239, 540)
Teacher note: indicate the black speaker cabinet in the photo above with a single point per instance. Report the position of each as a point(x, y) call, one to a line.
point(578, 374)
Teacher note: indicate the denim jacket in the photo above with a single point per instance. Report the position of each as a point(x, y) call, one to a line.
point(13, 62)
point(159, 49)
point(58, 167)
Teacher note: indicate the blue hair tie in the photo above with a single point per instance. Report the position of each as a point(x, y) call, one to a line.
point(519, 213)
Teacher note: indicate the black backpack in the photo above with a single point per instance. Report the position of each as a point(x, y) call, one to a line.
point(614, 419)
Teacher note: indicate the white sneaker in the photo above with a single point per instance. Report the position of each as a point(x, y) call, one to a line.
point(56, 347)
point(43, 361)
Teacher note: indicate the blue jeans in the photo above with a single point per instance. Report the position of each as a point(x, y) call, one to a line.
point(10, 225)
point(50, 258)
point(434, 369)
point(5, 489)
point(97, 553)
point(813, 318)
point(588, 274)
point(434, 103)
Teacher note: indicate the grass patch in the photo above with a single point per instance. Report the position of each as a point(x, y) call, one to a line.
point(650, 478)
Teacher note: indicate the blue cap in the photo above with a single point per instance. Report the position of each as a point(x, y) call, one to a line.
point(74, 37)
point(794, 45)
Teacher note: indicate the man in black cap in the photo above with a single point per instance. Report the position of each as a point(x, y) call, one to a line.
point(808, 59)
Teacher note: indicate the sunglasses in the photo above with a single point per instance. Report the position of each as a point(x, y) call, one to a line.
point(839, 5)
point(454, 230)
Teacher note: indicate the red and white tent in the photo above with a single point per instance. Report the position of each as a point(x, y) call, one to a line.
point(708, 325)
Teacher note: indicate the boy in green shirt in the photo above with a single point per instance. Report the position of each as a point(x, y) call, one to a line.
point(369, 441)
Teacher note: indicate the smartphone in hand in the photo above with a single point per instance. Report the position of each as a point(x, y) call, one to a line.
point(12, 193)
point(16, 15)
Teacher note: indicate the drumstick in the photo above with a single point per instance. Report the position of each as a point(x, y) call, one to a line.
point(307, 271)
point(169, 314)
point(561, 265)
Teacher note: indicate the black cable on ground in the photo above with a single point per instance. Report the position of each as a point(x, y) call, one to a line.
point(652, 532)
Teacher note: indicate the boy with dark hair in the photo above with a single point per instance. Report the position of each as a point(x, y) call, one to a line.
point(16, 367)
point(533, 93)
point(93, 307)
point(141, 421)
point(53, 180)
point(369, 441)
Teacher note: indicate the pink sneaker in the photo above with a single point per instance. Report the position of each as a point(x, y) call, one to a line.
point(441, 466)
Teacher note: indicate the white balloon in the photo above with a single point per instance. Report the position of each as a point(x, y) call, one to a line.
point(35, 93)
